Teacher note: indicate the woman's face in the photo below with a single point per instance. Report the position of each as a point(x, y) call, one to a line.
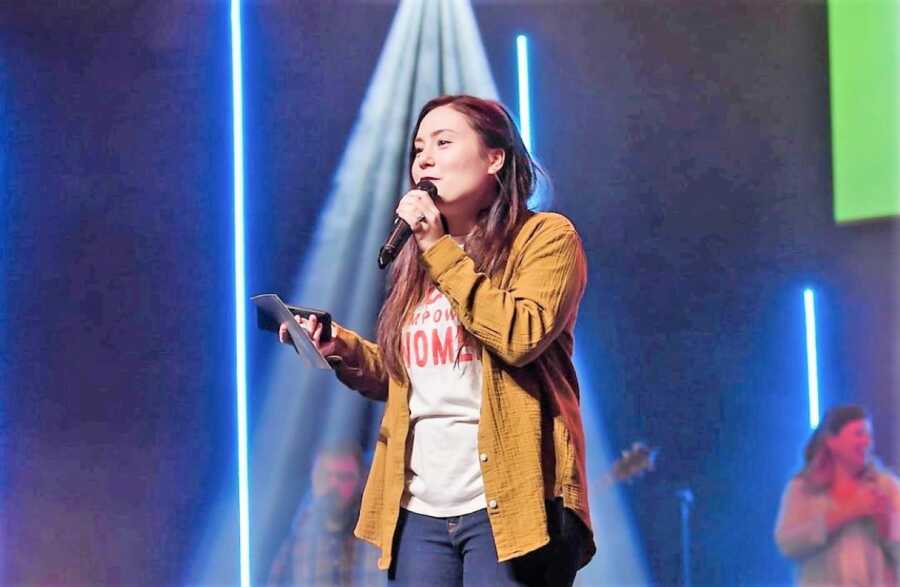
point(852, 445)
point(451, 155)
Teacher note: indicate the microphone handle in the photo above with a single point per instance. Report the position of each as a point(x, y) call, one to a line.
point(395, 241)
point(401, 231)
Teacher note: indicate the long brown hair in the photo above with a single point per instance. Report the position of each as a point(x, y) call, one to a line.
point(491, 237)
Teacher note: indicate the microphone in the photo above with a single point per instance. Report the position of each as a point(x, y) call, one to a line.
point(401, 230)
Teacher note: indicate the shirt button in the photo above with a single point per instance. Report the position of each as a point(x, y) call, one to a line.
point(483, 457)
point(492, 504)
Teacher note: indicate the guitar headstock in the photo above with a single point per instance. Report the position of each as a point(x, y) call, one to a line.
point(634, 462)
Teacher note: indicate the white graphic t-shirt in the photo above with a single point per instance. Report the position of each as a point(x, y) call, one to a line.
point(443, 475)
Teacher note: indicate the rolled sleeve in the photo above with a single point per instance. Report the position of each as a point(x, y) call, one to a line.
point(361, 368)
point(519, 321)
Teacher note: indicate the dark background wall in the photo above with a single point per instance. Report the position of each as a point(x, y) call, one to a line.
point(689, 142)
point(117, 367)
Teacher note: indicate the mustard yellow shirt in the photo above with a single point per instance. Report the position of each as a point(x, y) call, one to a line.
point(530, 434)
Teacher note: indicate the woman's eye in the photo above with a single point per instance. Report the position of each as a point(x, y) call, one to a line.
point(442, 142)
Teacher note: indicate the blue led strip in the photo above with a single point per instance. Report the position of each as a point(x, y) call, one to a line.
point(239, 291)
point(539, 197)
point(812, 361)
point(524, 100)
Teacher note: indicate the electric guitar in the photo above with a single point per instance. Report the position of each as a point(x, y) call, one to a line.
point(633, 463)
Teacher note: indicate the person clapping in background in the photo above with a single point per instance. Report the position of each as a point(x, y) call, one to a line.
point(839, 520)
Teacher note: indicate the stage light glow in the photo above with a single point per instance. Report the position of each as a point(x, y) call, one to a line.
point(621, 561)
point(812, 361)
point(524, 89)
point(538, 200)
point(239, 290)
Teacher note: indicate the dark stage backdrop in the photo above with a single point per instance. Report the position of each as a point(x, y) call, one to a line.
point(117, 363)
point(689, 142)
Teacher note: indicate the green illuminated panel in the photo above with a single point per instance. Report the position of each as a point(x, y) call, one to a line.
point(864, 43)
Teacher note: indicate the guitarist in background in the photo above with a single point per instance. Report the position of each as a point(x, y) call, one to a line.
point(321, 549)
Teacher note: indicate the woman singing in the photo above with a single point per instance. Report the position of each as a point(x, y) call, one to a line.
point(478, 476)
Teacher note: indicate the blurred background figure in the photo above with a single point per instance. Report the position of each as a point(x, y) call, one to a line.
point(321, 549)
point(840, 516)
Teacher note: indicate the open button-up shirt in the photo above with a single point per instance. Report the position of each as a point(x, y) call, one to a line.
point(530, 435)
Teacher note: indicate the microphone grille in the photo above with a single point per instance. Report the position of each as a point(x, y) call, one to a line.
point(427, 186)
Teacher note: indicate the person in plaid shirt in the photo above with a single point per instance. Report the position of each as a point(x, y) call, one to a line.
point(321, 549)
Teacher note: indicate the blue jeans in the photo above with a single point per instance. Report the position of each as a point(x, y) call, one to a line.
point(460, 551)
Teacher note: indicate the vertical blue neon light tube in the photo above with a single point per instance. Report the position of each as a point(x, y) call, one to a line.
point(239, 291)
point(524, 96)
point(812, 361)
point(537, 200)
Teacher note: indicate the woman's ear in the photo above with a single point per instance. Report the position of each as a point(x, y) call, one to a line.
point(496, 157)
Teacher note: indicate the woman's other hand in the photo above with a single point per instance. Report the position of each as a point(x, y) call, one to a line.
point(333, 347)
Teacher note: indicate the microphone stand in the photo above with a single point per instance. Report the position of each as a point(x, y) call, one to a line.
point(686, 497)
